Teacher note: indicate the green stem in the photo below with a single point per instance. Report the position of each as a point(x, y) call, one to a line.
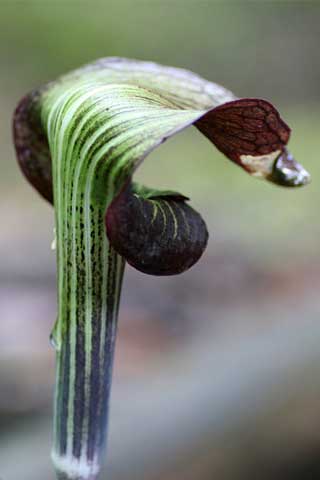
point(89, 284)
point(84, 368)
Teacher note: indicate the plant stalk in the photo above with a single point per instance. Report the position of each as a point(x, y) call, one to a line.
point(84, 371)
point(89, 285)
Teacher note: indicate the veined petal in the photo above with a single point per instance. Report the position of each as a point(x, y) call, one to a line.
point(252, 134)
point(182, 89)
point(248, 131)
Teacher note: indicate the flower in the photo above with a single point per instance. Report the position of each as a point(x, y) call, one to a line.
point(79, 141)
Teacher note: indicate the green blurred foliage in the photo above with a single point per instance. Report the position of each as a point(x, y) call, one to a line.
point(255, 48)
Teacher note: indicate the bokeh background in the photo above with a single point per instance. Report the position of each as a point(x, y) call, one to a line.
point(217, 371)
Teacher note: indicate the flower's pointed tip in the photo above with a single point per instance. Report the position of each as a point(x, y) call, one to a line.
point(251, 133)
point(289, 173)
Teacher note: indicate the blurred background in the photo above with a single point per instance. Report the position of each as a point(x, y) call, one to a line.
point(217, 371)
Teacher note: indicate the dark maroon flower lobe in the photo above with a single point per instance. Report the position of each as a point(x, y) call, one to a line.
point(32, 146)
point(252, 134)
point(157, 233)
point(245, 128)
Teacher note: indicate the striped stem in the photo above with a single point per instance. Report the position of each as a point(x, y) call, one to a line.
point(84, 368)
point(89, 284)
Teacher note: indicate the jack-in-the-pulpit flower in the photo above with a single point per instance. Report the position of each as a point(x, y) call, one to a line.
point(79, 140)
